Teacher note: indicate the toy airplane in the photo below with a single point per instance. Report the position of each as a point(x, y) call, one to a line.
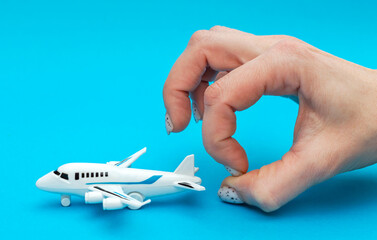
point(115, 185)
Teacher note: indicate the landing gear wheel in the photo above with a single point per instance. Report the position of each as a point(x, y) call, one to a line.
point(138, 196)
point(65, 200)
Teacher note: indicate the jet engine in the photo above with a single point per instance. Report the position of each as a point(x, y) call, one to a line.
point(93, 197)
point(112, 204)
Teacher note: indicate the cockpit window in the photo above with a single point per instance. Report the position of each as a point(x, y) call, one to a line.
point(57, 172)
point(64, 176)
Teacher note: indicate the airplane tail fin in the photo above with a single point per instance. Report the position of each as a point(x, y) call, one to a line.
point(187, 166)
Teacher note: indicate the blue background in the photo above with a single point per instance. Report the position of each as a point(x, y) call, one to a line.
point(81, 81)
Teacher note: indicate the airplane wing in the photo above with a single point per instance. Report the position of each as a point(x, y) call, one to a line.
point(117, 192)
point(128, 161)
point(189, 185)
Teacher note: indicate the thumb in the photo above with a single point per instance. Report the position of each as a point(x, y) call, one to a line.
point(271, 186)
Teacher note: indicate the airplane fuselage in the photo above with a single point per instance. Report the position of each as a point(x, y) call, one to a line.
point(77, 178)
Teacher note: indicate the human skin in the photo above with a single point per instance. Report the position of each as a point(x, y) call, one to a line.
point(336, 127)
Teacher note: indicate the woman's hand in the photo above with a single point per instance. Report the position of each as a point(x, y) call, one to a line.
point(336, 127)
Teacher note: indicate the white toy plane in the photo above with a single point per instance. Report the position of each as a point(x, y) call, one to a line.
point(115, 185)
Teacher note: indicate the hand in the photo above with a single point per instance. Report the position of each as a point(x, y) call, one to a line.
point(336, 127)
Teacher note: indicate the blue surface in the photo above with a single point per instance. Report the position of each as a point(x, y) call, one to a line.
point(82, 81)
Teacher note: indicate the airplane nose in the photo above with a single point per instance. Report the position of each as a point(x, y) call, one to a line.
point(39, 183)
point(42, 182)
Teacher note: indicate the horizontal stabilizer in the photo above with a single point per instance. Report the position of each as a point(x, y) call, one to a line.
point(189, 185)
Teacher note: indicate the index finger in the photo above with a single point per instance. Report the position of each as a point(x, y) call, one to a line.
point(220, 50)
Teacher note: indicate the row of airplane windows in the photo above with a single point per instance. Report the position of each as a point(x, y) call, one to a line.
point(91, 175)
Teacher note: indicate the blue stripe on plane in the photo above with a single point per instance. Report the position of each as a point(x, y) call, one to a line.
point(126, 197)
point(150, 180)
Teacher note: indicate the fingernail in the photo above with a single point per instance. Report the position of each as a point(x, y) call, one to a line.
point(233, 172)
point(168, 124)
point(229, 195)
point(196, 112)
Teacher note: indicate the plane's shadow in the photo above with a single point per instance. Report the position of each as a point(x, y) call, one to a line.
point(337, 195)
point(115, 221)
point(185, 199)
point(88, 212)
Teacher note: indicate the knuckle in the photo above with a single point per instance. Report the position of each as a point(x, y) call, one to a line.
point(293, 52)
point(290, 45)
point(267, 204)
point(264, 197)
point(211, 146)
point(212, 94)
point(165, 90)
point(199, 37)
point(217, 28)
point(216, 148)
point(169, 92)
point(286, 38)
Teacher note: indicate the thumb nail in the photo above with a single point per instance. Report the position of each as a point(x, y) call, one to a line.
point(229, 195)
